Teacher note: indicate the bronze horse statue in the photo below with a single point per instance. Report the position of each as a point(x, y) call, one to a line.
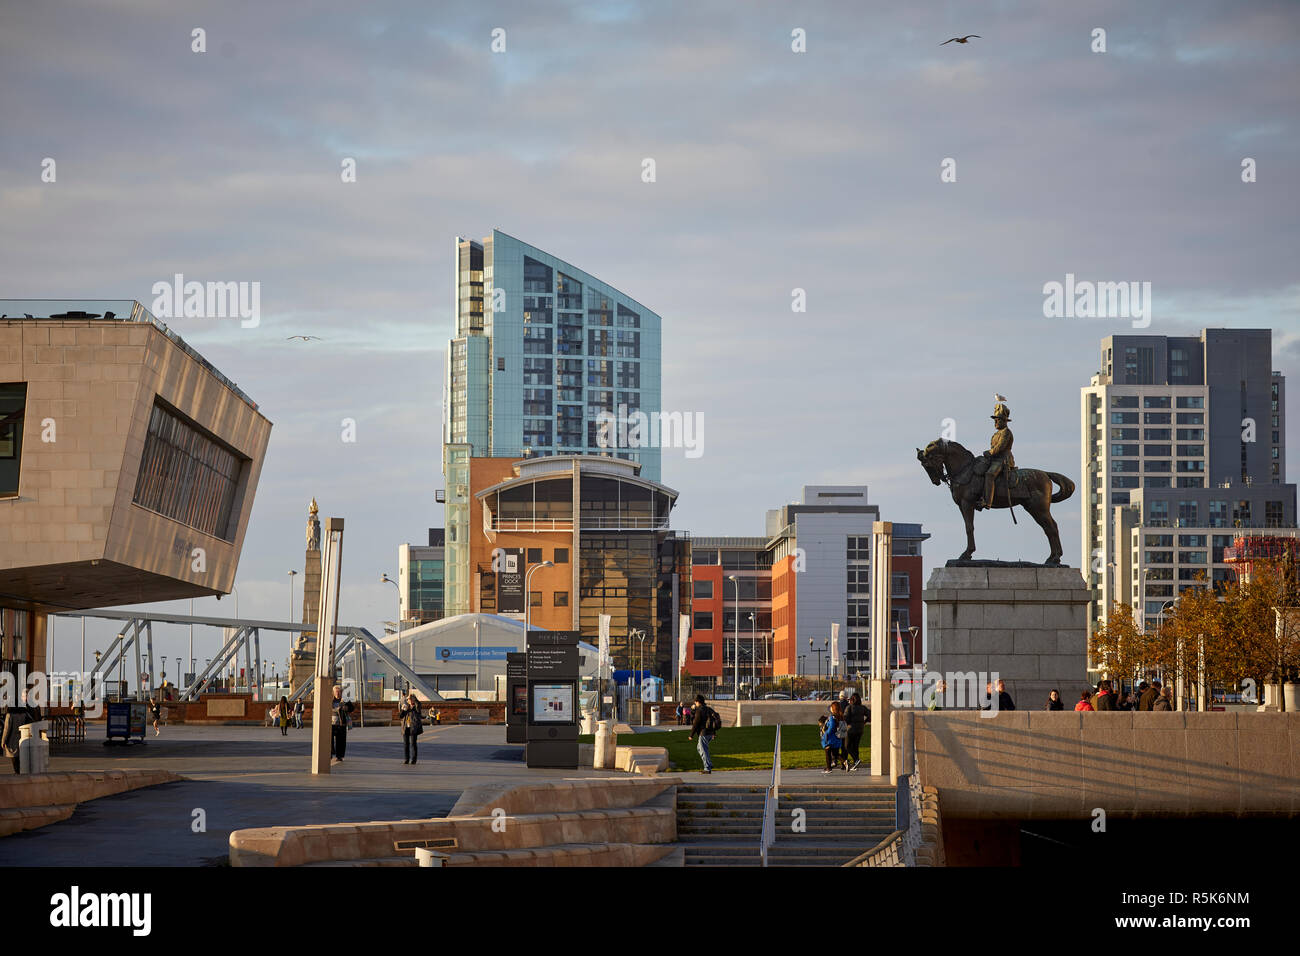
point(947, 461)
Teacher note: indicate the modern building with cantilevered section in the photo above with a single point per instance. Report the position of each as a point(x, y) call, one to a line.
point(128, 465)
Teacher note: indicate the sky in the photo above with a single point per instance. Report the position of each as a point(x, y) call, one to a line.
point(775, 170)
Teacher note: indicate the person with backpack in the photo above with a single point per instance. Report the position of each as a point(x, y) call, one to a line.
point(832, 738)
point(340, 721)
point(298, 708)
point(855, 718)
point(706, 726)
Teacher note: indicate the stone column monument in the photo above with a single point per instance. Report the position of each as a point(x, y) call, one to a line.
point(304, 653)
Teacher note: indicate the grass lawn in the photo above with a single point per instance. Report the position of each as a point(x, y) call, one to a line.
point(743, 748)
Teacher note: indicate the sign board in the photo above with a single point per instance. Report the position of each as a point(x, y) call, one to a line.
point(510, 581)
point(496, 652)
point(552, 695)
point(517, 698)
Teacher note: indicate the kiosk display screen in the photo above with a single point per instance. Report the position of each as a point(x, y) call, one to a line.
point(519, 707)
point(552, 703)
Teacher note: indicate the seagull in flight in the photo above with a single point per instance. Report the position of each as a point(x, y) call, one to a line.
point(964, 39)
point(305, 338)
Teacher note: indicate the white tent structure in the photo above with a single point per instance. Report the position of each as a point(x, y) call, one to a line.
point(463, 656)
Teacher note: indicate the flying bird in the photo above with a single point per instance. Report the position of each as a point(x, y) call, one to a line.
point(305, 338)
point(964, 39)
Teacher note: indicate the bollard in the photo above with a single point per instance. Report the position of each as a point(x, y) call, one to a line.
point(33, 750)
point(588, 723)
point(427, 857)
point(605, 746)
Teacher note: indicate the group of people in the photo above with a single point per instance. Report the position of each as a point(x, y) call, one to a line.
point(1149, 696)
point(686, 713)
point(841, 732)
point(283, 713)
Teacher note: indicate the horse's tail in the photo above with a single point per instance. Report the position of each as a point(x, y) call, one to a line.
point(1067, 486)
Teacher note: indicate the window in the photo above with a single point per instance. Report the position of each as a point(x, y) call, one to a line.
point(702, 652)
point(1125, 418)
point(13, 402)
point(907, 546)
point(1159, 541)
point(1191, 557)
point(859, 614)
point(859, 579)
point(187, 476)
point(1190, 401)
point(703, 590)
point(1191, 540)
point(1158, 451)
point(1130, 450)
point(1188, 514)
point(1191, 418)
point(1273, 514)
point(703, 621)
point(1158, 514)
point(1155, 401)
point(1123, 401)
point(859, 548)
point(561, 599)
point(1155, 418)
point(1124, 434)
point(534, 598)
point(534, 555)
point(1157, 434)
point(501, 364)
point(901, 585)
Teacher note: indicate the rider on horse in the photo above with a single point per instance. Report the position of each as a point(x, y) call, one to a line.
point(999, 457)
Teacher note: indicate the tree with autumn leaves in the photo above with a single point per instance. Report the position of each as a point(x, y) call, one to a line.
point(1245, 630)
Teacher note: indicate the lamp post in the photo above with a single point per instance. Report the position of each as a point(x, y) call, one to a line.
point(753, 667)
point(639, 634)
point(798, 669)
point(735, 630)
point(819, 651)
point(385, 579)
point(528, 595)
point(1160, 620)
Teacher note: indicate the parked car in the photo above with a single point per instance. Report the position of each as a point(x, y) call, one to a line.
point(776, 696)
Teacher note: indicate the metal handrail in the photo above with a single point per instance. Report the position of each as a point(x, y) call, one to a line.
point(770, 800)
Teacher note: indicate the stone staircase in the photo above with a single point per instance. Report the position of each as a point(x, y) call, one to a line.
point(722, 825)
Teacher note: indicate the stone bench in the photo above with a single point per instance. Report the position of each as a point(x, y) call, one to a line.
point(644, 760)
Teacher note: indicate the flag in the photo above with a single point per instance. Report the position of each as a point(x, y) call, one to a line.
point(684, 631)
point(902, 648)
point(835, 645)
point(602, 653)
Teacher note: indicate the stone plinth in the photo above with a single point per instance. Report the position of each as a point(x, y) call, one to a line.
point(1029, 625)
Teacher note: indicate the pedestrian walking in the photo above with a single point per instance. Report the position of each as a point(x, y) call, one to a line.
point(16, 717)
point(1084, 703)
point(340, 721)
point(1104, 700)
point(705, 727)
point(1004, 699)
point(1054, 701)
point(284, 716)
point(856, 717)
point(155, 711)
point(1147, 695)
point(831, 741)
point(298, 709)
point(412, 727)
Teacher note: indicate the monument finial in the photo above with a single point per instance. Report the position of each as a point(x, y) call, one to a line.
point(313, 509)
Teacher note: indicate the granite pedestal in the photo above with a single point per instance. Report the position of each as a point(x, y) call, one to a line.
point(1027, 625)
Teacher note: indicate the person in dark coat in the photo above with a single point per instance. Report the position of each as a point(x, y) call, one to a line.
point(1147, 695)
point(699, 729)
point(1105, 700)
point(412, 727)
point(856, 716)
point(1164, 701)
point(1004, 699)
point(340, 721)
point(1054, 701)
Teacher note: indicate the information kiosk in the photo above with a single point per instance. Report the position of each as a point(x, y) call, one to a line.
point(552, 700)
point(517, 698)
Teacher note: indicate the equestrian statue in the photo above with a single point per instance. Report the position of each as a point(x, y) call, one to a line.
point(992, 480)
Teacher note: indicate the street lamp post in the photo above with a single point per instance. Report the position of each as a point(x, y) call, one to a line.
point(819, 651)
point(639, 634)
point(528, 595)
point(735, 630)
point(385, 579)
point(753, 666)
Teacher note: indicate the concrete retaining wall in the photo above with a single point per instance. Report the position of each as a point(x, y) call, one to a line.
point(1061, 765)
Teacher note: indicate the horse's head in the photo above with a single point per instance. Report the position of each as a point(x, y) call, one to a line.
point(932, 460)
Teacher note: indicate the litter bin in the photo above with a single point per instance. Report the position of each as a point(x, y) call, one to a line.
point(654, 716)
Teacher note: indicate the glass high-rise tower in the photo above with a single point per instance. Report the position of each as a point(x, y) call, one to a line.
point(540, 349)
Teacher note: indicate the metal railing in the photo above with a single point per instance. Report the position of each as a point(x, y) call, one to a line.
point(770, 800)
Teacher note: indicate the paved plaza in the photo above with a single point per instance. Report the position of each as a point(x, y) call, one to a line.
point(245, 777)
